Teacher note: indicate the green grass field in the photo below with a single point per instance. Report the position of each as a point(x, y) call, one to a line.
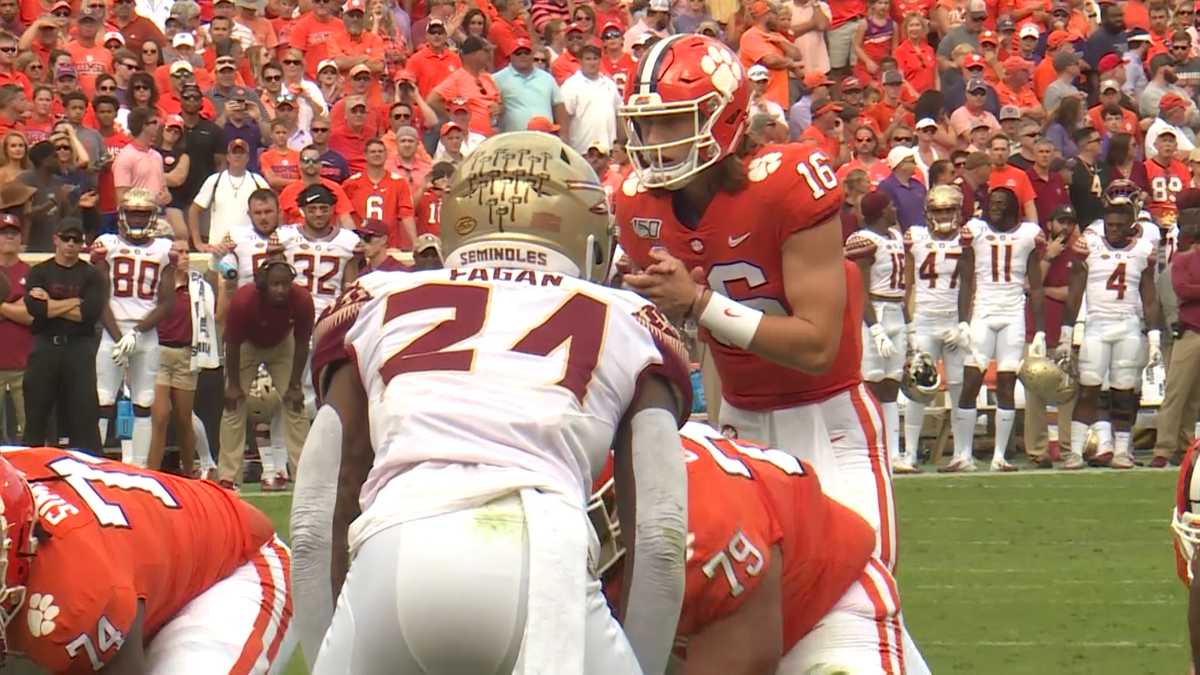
point(1030, 573)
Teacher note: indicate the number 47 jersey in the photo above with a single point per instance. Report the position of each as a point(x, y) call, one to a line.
point(500, 367)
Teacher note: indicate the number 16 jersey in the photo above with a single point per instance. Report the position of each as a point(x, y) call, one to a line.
point(500, 367)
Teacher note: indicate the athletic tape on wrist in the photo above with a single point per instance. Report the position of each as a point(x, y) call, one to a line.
point(730, 321)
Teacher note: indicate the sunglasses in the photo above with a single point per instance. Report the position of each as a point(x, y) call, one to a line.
point(61, 15)
point(131, 66)
point(401, 116)
point(359, 110)
point(35, 66)
point(362, 78)
point(927, 130)
point(273, 78)
point(903, 139)
point(71, 238)
point(106, 88)
point(149, 51)
point(865, 139)
point(540, 59)
point(611, 35)
point(960, 165)
point(189, 97)
point(9, 50)
point(310, 160)
point(292, 62)
point(141, 87)
point(123, 2)
point(319, 130)
point(62, 148)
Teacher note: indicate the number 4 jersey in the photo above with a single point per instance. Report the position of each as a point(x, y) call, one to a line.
point(1113, 275)
point(501, 367)
point(116, 535)
point(134, 272)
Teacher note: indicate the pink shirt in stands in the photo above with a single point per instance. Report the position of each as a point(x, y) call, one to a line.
point(139, 167)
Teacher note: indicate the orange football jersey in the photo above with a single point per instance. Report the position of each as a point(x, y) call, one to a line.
point(117, 534)
point(1165, 183)
point(738, 242)
point(389, 200)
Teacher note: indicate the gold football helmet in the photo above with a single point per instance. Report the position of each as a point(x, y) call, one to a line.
point(943, 209)
point(263, 400)
point(921, 382)
point(527, 200)
point(137, 216)
point(1049, 380)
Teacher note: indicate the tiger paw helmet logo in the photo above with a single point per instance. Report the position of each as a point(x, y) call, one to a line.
point(761, 167)
point(722, 66)
point(41, 614)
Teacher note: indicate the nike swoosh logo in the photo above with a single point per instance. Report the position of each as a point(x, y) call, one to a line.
point(731, 314)
point(734, 242)
point(835, 439)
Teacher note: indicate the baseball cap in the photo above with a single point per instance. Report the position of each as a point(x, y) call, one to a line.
point(1171, 101)
point(225, 62)
point(611, 26)
point(238, 144)
point(69, 225)
point(522, 44)
point(973, 61)
point(435, 22)
point(976, 85)
point(980, 123)
point(758, 73)
point(190, 87)
point(873, 204)
point(1064, 212)
point(456, 105)
point(113, 35)
point(851, 84)
point(352, 102)
point(64, 71)
point(250, 4)
point(471, 45)
point(1109, 84)
point(451, 126)
point(893, 77)
point(989, 37)
point(1028, 30)
point(539, 123)
point(600, 145)
point(327, 63)
point(822, 106)
point(759, 8)
point(1010, 112)
point(173, 121)
point(405, 76)
point(1057, 38)
point(925, 123)
point(1005, 24)
point(60, 4)
point(1015, 62)
point(316, 193)
point(1108, 62)
point(354, 6)
point(180, 66)
point(660, 5)
point(371, 227)
point(183, 39)
point(644, 39)
point(977, 7)
point(899, 154)
point(360, 68)
point(428, 241)
point(574, 28)
point(286, 98)
point(1137, 35)
point(814, 79)
point(9, 221)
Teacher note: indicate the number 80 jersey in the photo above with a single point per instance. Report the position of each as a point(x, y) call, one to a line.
point(134, 273)
point(494, 366)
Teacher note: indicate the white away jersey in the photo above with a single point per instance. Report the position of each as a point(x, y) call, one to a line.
point(134, 272)
point(248, 248)
point(1144, 223)
point(1001, 263)
point(321, 263)
point(501, 367)
point(1113, 275)
point(886, 253)
point(935, 266)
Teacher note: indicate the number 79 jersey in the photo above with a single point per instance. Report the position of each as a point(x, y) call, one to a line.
point(503, 367)
point(119, 534)
point(1001, 264)
point(134, 273)
point(1114, 275)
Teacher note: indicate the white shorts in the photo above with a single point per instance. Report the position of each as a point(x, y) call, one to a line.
point(240, 625)
point(863, 634)
point(875, 368)
point(450, 594)
point(999, 338)
point(842, 438)
point(142, 368)
point(1112, 349)
point(930, 337)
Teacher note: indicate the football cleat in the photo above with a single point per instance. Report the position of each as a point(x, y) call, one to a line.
point(1073, 462)
point(526, 200)
point(902, 466)
point(1121, 461)
point(957, 465)
point(1001, 465)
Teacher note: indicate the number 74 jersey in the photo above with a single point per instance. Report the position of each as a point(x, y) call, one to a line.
point(1001, 264)
point(503, 367)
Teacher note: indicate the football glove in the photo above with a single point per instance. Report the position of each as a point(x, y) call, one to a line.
point(1037, 347)
point(963, 336)
point(1155, 339)
point(124, 347)
point(883, 344)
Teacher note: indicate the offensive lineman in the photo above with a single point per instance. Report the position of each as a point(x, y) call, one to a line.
point(135, 263)
point(932, 253)
point(878, 250)
point(752, 251)
point(1115, 272)
point(1000, 253)
point(474, 406)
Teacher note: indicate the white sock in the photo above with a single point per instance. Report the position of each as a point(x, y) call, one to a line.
point(1104, 431)
point(1079, 432)
point(203, 452)
point(891, 428)
point(914, 420)
point(103, 430)
point(954, 391)
point(278, 431)
point(1196, 430)
point(1121, 441)
point(280, 454)
point(141, 441)
point(1004, 427)
point(962, 425)
point(126, 451)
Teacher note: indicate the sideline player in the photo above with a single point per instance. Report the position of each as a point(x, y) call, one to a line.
point(1115, 273)
point(782, 308)
point(325, 258)
point(135, 263)
point(878, 250)
point(780, 578)
point(478, 407)
point(931, 255)
point(1000, 253)
point(112, 568)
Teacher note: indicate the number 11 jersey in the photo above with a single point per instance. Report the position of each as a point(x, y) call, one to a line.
point(1001, 265)
point(500, 367)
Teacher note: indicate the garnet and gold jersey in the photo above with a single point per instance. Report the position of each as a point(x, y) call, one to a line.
point(117, 535)
point(502, 367)
point(886, 255)
point(737, 243)
point(935, 270)
point(1001, 264)
point(1113, 274)
point(134, 272)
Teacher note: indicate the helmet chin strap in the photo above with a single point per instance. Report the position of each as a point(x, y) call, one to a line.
point(589, 260)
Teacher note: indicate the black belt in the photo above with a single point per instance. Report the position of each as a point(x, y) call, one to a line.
point(175, 345)
point(63, 340)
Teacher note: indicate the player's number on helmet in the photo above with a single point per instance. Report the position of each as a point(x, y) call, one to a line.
point(80, 475)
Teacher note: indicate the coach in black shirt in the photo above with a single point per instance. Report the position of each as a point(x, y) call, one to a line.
point(65, 297)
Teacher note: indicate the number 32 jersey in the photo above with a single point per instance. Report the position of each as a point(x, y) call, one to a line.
point(117, 535)
point(502, 367)
point(134, 272)
point(738, 243)
point(1001, 264)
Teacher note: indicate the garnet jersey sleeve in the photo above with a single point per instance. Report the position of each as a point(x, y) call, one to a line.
point(860, 247)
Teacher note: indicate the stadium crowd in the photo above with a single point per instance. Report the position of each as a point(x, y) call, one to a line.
point(364, 110)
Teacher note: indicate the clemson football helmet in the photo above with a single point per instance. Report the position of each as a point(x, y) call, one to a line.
point(137, 215)
point(18, 515)
point(687, 78)
point(921, 381)
point(527, 200)
point(943, 209)
point(602, 512)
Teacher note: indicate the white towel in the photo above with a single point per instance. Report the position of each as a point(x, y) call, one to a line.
point(204, 323)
